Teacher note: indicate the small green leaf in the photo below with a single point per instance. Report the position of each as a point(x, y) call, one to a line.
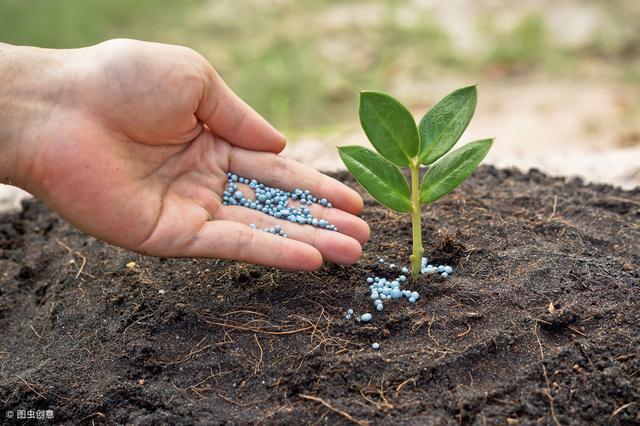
point(452, 170)
point(443, 125)
point(389, 126)
point(383, 180)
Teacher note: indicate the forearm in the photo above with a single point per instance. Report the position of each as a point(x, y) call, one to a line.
point(30, 79)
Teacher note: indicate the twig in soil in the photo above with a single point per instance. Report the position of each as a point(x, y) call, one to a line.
point(244, 312)
point(227, 339)
point(401, 385)
point(27, 384)
point(334, 409)
point(92, 415)
point(256, 330)
point(77, 253)
point(546, 377)
point(542, 321)
point(380, 406)
point(34, 330)
point(323, 335)
point(194, 389)
point(301, 363)
point(315, 326)
point(418, 324)
point(231, 401)
point(134, 323)
point(464, 333)
point(271, 413)
point(197, 388)
point(618, 358)
point(618, 410)
point(191, 353)
point(575, 330)
point(259, 363)
point(553, 212)
point(433, 318)
point(504, 401)
point(315, 276)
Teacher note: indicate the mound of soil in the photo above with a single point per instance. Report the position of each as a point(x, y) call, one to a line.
point(540, 322)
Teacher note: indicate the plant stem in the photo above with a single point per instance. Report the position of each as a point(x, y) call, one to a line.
point(416, 220)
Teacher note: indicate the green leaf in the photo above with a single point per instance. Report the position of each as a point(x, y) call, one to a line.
point(443, 125)
point(389, 126)
point(452, 170)
point(383, 180)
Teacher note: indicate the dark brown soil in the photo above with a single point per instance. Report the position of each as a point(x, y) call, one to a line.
point(540, 323)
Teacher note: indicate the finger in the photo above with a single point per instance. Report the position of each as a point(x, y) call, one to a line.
point(232, 119)
point(346, 223)
point(284, 173)
point(334, 246)
point(234, 241)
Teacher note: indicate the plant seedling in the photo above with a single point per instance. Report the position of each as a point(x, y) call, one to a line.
point(400, 144)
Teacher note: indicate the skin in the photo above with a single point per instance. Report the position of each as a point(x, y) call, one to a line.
point(131, 141)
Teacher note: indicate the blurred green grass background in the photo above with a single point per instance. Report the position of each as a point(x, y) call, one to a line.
point(301, 63)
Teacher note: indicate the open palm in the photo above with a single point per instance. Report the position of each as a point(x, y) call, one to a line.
point(136, 151)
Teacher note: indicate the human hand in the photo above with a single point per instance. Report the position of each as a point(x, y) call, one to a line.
point(132, 144)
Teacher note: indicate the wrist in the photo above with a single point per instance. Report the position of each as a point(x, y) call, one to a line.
point(33, 81)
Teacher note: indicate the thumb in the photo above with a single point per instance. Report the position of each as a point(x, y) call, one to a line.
point(232, 119)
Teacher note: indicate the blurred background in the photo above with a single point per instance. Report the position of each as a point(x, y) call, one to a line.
point(559, 81)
